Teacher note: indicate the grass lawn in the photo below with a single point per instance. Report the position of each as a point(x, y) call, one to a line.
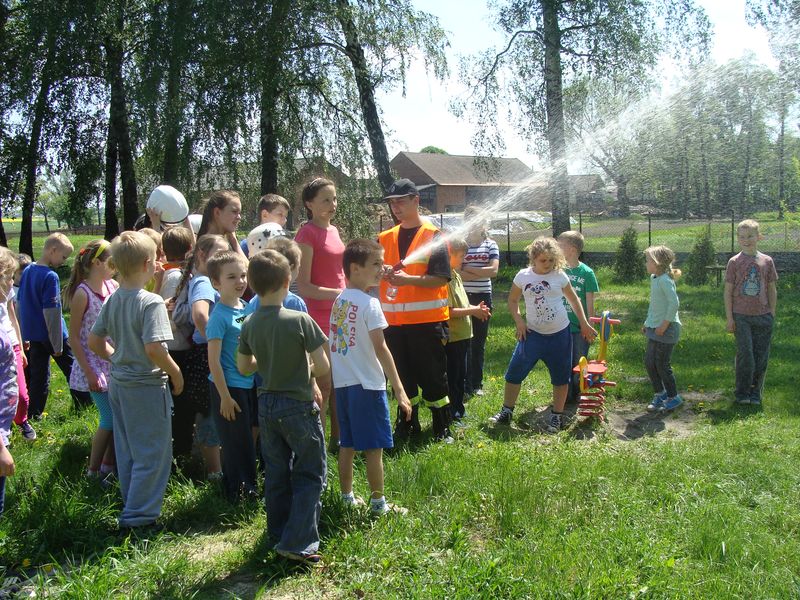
point(701, 503)
point(603, 235)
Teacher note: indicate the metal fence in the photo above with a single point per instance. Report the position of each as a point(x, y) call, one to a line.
point(513, 231)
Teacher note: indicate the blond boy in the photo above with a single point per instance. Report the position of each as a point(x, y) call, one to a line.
point(138, 390)
point(39, 311)
point(584, 282)
point(751, 296)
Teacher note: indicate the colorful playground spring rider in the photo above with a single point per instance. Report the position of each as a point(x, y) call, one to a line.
point(591, 372)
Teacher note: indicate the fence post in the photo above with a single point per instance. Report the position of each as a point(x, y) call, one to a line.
point(733, 230)
point(649, 229)
point(580, 222)
point(508, 238)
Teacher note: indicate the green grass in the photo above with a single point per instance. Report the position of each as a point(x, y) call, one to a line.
point(501, 513)
point(603, 235)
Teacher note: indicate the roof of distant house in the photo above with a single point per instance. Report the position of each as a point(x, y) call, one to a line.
point(449, 169)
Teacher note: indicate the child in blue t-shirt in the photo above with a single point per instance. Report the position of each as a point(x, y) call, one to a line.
point(233, 398)
point(291, 251)
point(39, 311)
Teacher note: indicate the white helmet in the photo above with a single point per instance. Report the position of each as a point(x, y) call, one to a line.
point(196, 220)
point(257, 239)
point(168, 201)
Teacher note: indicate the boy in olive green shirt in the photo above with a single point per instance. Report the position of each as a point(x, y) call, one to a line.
point(460, 326)
point(287, 348)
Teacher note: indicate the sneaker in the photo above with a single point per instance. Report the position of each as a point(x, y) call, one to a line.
point(742, 400)
point(444, 437)
point(215, 476)
point(555, 423)
point(671, 404)
point(503, 417)
point(459, 423)
point(311, 559)
point(28, 432)
point(755, 400)
point(657, 402)
point(353, 501)
point(478, 392)
point(384, 508)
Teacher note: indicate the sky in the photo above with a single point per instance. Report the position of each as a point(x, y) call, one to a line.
point(422, 118)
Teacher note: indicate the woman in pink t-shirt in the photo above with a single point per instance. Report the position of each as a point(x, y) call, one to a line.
point(321, 276)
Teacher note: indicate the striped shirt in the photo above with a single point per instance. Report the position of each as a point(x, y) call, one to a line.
point(481, 256)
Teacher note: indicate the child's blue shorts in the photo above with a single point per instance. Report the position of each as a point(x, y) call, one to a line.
point(363, 417)
point(554, 349)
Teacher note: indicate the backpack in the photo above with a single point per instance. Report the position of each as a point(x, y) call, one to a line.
point(182, 313)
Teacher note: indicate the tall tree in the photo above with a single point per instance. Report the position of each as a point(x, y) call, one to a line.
point(553, 40)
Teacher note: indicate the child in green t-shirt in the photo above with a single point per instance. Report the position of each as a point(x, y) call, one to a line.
point(460, 326)
point(585, 285)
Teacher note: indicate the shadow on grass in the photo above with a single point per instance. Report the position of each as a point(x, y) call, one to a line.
point(265, 569)
point(731, 412)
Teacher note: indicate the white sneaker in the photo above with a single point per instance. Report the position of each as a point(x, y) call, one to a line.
point(353, 501)
point(378, 510)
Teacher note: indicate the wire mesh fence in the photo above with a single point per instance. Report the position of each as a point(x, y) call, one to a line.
point(513, 231)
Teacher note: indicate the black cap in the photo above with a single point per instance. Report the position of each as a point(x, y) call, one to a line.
point(400, 188)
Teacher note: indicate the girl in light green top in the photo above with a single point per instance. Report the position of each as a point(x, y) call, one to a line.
point(662, 328)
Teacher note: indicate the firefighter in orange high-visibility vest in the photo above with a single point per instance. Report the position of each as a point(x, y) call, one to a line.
point(413, 295)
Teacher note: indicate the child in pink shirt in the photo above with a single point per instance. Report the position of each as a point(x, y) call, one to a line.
point(321, 276)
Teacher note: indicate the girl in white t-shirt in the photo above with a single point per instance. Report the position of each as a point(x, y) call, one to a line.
point(544, 332)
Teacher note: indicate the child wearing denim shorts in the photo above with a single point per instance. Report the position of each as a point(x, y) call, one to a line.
point(287, 348)
point(544, 333)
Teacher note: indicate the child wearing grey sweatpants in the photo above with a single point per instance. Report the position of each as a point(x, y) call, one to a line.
point(136, 324)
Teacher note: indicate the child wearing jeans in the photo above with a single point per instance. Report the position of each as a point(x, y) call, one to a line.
point(751, 295)
point(8, 379)
point(662, 328)
point(233, 397)
point(544, 333)
point(39, 304)
point(359, 358)
point(138, 389)
point(287, 348)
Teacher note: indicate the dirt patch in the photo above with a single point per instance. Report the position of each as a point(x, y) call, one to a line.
point(631, 422)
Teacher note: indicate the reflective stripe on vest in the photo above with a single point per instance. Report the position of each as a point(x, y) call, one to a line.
point(412, 306)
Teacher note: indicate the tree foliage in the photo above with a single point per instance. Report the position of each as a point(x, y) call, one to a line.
point(198, 94)
point(552, 43)
point(629, 263)
point(701, 256)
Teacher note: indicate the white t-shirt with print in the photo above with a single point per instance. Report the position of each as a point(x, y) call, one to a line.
point(353, 360)
point(544, 300)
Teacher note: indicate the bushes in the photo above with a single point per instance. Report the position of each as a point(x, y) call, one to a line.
point(629, 260)
point(701, 256)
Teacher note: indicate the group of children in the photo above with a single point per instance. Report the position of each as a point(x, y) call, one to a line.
point(192, 360)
